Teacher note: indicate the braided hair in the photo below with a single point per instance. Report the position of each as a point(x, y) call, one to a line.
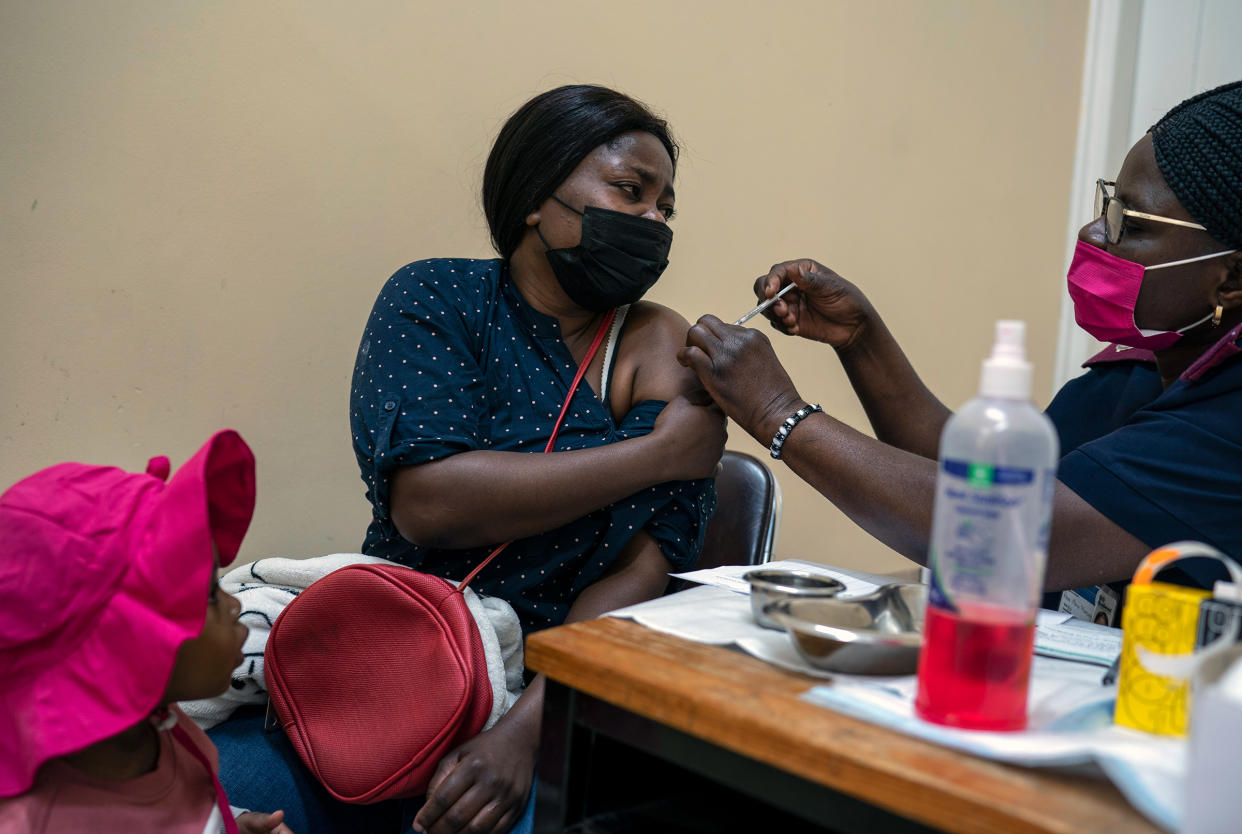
point(1198, 148)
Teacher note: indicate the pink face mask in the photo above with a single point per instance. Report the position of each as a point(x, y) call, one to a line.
point(1105, 289)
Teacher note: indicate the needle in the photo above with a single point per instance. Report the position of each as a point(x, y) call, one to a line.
point(765, 305)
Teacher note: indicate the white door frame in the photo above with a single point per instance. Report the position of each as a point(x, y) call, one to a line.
point(1142, 57)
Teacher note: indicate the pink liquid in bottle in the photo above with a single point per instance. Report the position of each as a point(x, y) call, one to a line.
point(975, 668)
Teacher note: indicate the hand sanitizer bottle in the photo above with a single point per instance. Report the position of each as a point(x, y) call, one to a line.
point(989, 543)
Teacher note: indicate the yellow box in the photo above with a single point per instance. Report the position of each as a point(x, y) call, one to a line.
point(1163, 619)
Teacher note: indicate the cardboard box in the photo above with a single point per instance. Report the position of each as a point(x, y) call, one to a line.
point(1162, 619)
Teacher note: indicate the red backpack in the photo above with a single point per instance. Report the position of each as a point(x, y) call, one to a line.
point(377, 671)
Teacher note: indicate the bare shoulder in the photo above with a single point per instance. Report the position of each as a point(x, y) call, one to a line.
point(656, 323)
point(647, 366)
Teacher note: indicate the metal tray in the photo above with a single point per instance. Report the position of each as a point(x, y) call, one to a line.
point(875, 634)
point(769, 585)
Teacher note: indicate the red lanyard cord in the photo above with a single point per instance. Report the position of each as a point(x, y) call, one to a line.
point(605, 325)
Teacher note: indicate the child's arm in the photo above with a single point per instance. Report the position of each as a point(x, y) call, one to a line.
point(252, 822)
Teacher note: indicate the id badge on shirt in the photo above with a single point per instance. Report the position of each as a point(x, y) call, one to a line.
point(1095, 604)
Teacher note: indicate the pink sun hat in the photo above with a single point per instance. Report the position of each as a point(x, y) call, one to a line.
point(103, 575)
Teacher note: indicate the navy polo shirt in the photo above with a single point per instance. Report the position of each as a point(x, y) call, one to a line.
point(453, 359)
point(1163, 464)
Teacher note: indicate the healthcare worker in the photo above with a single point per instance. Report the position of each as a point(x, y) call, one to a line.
point(1151, 434)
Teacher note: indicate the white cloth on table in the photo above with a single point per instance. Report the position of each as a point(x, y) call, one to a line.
point(265, 587)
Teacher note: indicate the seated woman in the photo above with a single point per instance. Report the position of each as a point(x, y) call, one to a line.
point(460, 376)
point(1151, 441)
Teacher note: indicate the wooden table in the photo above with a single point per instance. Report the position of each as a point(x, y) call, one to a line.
point(740, 722)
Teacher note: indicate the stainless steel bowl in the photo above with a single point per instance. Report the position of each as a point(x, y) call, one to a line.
point(875, 634)
point(768, 585)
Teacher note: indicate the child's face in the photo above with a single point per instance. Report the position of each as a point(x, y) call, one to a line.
point(205, 664)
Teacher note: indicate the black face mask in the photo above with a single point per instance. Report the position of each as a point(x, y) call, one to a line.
point(619, 257)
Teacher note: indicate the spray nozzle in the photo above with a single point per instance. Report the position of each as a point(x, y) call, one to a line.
point(1006, 373)
point(1010, 339)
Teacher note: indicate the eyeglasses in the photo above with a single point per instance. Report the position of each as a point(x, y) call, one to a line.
point(1115, 213)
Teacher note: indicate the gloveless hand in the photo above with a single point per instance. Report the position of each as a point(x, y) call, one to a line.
point(824, 307)
point(481, 786)
point(695, 429)
point(742, 374)
point(253, 822)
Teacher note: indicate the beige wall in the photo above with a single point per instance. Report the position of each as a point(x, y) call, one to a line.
point(200, 201)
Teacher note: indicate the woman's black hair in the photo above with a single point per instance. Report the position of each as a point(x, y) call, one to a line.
point(541, 144)
point(1198, 148)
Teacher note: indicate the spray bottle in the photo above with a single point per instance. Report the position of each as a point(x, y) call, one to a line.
point(993, 509)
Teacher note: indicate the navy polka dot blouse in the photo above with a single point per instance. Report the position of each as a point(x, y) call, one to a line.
point(454, 359)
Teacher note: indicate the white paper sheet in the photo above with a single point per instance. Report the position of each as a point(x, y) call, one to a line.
point(730, 576)
point(1068, 638)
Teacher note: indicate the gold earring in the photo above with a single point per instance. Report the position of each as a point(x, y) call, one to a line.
point(1216, 315)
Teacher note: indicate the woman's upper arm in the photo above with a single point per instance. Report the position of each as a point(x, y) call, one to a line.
point(1087, 547)
point(416, 381)
point(654, 333)
point(678, 525)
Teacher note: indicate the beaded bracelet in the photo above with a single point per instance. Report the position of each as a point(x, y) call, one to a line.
point(778, 440)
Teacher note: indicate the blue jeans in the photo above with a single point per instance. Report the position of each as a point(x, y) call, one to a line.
point(261, 771)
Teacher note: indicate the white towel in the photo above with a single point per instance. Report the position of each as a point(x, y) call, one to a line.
point(265, 587)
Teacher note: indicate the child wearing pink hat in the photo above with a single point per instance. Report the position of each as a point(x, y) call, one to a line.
point(109, 615)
